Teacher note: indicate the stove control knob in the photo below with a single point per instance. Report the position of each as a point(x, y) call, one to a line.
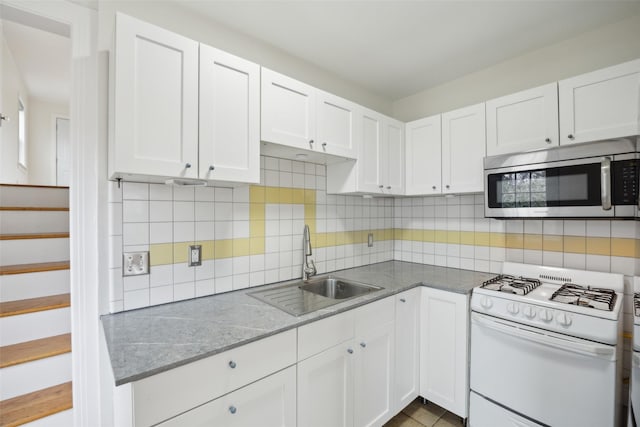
point(513, 308)
point(546, 315)
point(486, 302)
point(529, 311)
point(564, 319)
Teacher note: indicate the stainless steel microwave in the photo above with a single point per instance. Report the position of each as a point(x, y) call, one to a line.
point(588, 180)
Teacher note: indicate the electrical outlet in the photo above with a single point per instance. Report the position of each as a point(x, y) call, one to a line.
point(370, 240)
point(135, 263)
point(195, 255)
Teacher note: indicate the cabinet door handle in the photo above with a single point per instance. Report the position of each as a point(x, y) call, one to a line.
point(211, 167)
point(363, 344)
point(388, 187)
point(233, 409)
point(350, 350)
point(548, 140)
point(187, 166)
point(570, 136)
point(380, 186)
point(403, 300)
point(311, 143)
point(447, 187)
point(324, 146)
point(232, 364)
point(433, 187)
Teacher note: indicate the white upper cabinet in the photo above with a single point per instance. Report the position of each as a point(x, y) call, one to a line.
point(155, 102)
point(600, 105)
point(423, 156)
point(288, 111)
point(338, 125)
point(463, 149)
point(392, 158)
point(229, 117)
point(371, 147)
point(523, 121)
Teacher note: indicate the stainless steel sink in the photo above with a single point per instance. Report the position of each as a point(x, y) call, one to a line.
point(335, 288)
point(302, 297)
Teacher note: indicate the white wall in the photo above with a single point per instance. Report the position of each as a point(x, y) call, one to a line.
point(42, 140)
point(608, 45)
point(189, 24)
point(12, 87)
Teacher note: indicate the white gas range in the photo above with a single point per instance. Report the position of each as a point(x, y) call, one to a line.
point(545, 348)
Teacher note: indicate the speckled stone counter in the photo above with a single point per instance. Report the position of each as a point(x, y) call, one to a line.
point(151, 340)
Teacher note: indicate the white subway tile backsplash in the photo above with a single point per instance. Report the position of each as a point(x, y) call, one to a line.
point(135, 211)
point(135, 191)
point(160, 211)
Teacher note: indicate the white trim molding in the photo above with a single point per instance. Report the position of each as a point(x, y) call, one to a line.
point(84, 196)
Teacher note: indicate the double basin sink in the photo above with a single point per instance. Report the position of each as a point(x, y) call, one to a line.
point(303, 297)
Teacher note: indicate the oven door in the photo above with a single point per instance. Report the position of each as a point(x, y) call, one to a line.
point(551, 378)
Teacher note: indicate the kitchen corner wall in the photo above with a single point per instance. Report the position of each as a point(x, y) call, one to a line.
point(250, 235)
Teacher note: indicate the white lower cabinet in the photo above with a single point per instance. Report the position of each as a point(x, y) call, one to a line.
point(268, 402)
point(407, 348)
point(444, 349)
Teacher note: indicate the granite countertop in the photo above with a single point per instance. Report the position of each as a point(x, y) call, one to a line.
point(151, 340)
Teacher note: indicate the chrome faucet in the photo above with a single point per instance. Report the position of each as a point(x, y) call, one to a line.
point(307, 271)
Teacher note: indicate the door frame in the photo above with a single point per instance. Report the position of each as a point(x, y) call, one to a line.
point(84, 201)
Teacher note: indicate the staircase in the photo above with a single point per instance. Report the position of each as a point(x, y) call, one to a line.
point(35, 319)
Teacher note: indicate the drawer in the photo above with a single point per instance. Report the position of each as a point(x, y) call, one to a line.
point(375, 314)
point(326, 333)
point(270, 402)
point(170, 393)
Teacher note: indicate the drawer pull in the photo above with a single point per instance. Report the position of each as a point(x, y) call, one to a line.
point(403, 300)
point(363, 344)
point(350, 350)
point(232, 364)
point(233, 409)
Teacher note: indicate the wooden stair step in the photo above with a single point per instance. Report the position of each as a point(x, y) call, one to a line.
point(34, 350)
point(33, 406)
point(21, 236)
point(32, 305)
point(34, 268)
point(32, 208)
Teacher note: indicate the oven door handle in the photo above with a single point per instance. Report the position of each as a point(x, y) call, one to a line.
point(605, 183)
point(591, 349)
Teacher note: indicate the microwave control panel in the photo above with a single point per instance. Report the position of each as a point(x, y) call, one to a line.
point(625, 182)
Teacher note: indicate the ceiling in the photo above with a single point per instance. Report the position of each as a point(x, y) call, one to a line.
point(398, 48)
point(43, 59)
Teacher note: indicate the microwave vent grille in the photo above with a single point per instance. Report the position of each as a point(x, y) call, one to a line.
point(556, 278)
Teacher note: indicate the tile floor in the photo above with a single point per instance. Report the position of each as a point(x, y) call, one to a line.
point(430, 415)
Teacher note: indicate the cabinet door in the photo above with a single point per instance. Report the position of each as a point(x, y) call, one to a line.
point(600, 105)
point(369, 172)
point(155, 101)
point(325, 388)
point(523, 121)
point(407, 348)
point(463, 149)
point(424, 156)
point(288, 111)
point(337, 125)
point(229, 117)
point(392, 160)
point(444, 375)
point(374, 376)
point(268, 402)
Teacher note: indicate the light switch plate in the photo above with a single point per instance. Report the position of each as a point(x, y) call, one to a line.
point(195, 255)
point(135, 263)
point(370, 240)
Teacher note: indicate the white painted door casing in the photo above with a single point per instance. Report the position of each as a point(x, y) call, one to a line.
point(325, 388)
point(338, 125)
point(155, 101)
point(463, 149)
point(269, 402)
point(229, 126)
point(523, 121)
point(407, 348)
point(423, 139)
point(603, 104)
point(288, 111)
point(444, 349)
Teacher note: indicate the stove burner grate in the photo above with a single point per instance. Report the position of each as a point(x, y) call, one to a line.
point(511, 284)
point(585, 296)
